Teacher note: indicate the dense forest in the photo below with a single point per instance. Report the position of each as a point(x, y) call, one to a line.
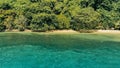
point(44, 15)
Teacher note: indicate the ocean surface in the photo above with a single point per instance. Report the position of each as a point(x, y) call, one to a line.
point(34, 50)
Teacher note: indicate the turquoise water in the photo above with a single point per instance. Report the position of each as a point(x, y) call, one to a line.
point(32, 50)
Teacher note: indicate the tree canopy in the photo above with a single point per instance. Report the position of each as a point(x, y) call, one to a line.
point(44, 15)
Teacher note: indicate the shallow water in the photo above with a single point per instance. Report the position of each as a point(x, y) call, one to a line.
point(19, 50)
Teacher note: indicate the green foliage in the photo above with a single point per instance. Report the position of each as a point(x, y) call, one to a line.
point(43, 22)
point(34, 0)
point(20, 23)
point(2, 27)
point(87, 18)
point(5, 6)
point(21, 28)
point(63, 22)
point(44, 15)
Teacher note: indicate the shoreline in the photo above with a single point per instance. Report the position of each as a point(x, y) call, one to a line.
point(108, 32)
point(47, 32)
point(67, 32)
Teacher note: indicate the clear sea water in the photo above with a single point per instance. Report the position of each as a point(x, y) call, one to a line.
point(34, 50)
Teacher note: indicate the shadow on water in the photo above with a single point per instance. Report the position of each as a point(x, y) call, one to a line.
point(56, 42)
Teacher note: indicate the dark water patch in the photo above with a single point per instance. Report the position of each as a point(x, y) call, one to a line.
point(60, 42)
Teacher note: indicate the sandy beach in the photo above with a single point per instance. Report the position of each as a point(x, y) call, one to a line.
point(108, 31)
point(64, 32)
point(98, 31)
point(68, 31)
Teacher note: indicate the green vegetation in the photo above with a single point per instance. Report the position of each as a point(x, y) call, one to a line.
point(44, 15)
